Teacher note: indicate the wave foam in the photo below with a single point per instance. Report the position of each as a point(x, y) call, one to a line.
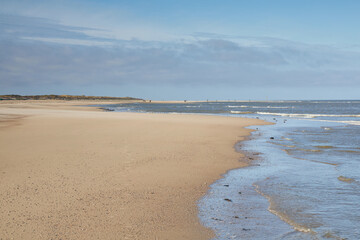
point(307, 115)
point(346, 122)
point(264, 107)
point(240, 112)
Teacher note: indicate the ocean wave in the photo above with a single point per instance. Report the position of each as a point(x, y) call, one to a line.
point(245, 106)
point(350, 122)
point(241, 106)
point(308, 115)
point(240, 112)
point(341, 102)
point(346, 122)
point(279, 107)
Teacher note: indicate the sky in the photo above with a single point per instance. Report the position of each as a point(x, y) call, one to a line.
point(177, 50)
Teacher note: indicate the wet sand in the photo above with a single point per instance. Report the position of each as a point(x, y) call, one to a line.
point(70, 172)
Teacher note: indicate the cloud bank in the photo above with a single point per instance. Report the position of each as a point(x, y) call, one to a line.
point(38, 51)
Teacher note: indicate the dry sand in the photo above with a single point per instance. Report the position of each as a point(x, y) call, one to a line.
point(69, 172)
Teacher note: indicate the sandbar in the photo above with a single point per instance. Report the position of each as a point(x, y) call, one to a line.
point(76, 172)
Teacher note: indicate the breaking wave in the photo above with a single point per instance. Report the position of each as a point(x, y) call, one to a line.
point(240, 112)
point(306, 115)
point(245, 106)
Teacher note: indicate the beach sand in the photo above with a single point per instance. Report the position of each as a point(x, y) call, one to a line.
point(70, 172)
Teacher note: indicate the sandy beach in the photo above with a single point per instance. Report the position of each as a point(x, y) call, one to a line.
point(71, 172)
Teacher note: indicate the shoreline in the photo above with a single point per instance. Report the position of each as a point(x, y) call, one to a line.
point(80, 172)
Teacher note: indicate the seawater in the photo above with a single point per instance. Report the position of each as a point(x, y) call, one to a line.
point(303, 181)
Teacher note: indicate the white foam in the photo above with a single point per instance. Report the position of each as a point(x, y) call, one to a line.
point(245, 106)
point(341, 102)
point(306, 115)
point(241, 106)
point(333, 121)
point(240, 112)
point(346, 122)
point(351, 122)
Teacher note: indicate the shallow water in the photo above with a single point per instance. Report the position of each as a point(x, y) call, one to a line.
point(305, 184)
point(306, 191)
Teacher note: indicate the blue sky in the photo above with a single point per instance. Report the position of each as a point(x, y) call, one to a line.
point(182, 49)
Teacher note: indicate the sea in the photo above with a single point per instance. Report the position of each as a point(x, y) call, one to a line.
point(303, 178)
